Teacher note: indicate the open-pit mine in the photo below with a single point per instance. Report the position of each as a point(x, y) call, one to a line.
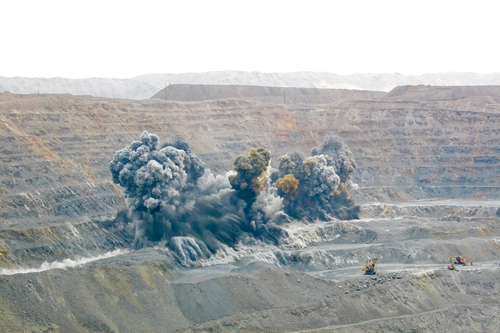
point(251, 209)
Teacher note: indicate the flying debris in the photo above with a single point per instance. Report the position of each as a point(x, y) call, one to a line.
point(174, 200)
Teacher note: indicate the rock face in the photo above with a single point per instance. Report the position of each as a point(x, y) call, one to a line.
point(57, 202)
point(145, 86)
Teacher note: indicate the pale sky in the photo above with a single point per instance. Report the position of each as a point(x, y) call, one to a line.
point(122, 39)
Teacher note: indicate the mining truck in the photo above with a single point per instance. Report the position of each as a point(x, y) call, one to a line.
point(370, 266)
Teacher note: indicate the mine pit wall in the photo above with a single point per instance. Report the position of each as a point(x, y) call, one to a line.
point(147, 298)
point(56, 150)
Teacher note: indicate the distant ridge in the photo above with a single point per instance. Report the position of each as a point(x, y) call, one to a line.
point(431, 93)
point(280, 95)
point(145, 86)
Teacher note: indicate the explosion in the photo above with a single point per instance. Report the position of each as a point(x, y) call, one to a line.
point(250, 178)
point(288, 185)
point(173, 199)
point(323, 181)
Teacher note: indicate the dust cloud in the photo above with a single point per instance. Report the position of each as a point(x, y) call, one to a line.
point(174, 201)
point(317, 187)
point(66, 263)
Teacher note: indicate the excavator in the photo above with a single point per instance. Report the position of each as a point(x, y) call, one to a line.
point(452, 265)
point(370, 266)
point(460, 261)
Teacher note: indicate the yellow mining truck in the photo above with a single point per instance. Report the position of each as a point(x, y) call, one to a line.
point(370, 267)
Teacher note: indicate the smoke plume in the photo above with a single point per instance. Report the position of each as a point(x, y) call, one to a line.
point(317, 186)
point(174, 200)
point(250, 178)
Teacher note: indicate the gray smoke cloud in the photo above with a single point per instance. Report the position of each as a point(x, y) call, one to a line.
point(338, 155)
point(174, 200)
point(318, 186)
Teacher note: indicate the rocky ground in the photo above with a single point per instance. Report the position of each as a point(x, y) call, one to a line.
point(312, 282)
point(428, 188)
